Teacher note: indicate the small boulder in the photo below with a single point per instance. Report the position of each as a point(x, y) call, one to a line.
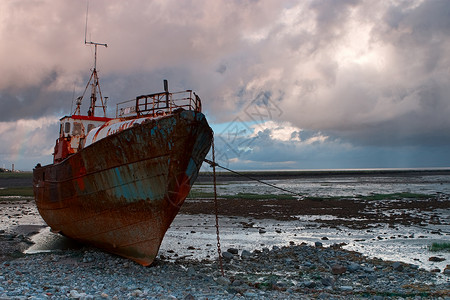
point(353, 267)
point(436, 270)
point(246, 254)
point(223, 280)
point(327, 281)
point(233, 250)
point(447, 270)
point(189, 297)
point(309, 284)
point(337, 269)
point(397, 266)
point(436, 259)
point(227, 255)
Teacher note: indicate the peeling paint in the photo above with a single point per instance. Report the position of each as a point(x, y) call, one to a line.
point(122, 191)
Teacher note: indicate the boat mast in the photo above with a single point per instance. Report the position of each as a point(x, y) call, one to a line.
point(93, 80)
point(95, 85)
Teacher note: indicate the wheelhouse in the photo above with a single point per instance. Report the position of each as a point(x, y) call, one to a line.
point(72, 134)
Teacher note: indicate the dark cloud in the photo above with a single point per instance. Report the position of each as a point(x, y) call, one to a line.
point(361, 73)
point(33, 102)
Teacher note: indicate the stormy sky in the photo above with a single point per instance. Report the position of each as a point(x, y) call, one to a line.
point(284, 84)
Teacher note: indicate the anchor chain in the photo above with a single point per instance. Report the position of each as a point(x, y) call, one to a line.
point(216, 209)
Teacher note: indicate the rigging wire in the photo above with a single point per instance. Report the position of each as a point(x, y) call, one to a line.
point(214, 164)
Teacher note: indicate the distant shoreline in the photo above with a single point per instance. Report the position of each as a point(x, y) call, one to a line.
point(280, 174)
point(24, 179)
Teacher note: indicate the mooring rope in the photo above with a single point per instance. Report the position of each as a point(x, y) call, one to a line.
point(213, 164)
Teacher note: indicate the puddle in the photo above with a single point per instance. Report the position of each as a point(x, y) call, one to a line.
point(194, 237)
point(406, 244)
point(47, 241)
point(343, 186)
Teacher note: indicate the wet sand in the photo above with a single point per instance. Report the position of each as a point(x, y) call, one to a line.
point(352, 213)
point(335, 249)
point(394, 230)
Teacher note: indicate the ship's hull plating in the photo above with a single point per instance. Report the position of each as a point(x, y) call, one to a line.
point(121, 193)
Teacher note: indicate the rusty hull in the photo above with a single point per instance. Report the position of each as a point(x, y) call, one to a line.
point(121, 193)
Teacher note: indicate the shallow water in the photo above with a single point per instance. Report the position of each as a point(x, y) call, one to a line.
point(407, 244)
point(342, 186)
point(194, 236)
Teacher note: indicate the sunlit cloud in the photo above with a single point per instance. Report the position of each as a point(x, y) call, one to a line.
point(28, 138)
point(368, 74)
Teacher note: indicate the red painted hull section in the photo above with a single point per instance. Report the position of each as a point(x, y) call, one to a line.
point(122, 193)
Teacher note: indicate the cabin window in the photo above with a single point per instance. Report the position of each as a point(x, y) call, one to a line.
point(61, 128)
point(67, 127)
point(90, 127)
point(77, 129)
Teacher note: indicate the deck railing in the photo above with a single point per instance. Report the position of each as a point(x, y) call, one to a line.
point(159, 104)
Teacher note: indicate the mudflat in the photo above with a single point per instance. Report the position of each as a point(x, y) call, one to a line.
point(338, 247)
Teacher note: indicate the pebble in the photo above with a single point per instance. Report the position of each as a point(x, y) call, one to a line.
point(435, 258)
point(227, 255)
point(337, 269)
point(309, 284)
point(397, 266)
point(285, 272)
point(246, 254)
point(222, 280)
point(353, 267)
point(447, 270)
point(327, 281)
point(233, 250)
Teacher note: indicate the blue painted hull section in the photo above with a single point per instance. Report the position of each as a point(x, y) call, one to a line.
point(122, 192)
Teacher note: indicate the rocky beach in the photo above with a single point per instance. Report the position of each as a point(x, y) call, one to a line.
point(190, 270)
point(313, 248)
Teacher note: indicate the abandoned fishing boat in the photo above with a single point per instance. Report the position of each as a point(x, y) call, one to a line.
point(118, 183)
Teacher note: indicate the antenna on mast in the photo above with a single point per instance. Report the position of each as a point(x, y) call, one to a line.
point(94, 76)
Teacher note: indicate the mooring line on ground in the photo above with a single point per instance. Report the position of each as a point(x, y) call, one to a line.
point(214, 164)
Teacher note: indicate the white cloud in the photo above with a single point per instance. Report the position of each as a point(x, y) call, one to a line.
point(363, 72)
point(28, 138)
point(285, 132)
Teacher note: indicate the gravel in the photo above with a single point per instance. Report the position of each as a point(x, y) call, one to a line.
point(291, 272)
point(294, 271)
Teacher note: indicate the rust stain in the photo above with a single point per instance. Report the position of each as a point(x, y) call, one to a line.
point(121, 193)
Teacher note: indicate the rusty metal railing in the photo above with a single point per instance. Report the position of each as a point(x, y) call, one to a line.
point(159, 104)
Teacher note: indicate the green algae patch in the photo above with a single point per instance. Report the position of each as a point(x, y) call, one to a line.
point(16, 192)
point(435, 247)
